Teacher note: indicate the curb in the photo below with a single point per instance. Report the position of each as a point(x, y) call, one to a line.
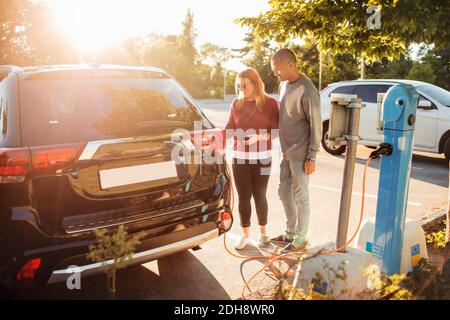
point(430, 221)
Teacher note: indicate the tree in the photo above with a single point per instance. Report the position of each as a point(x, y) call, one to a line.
point(29, 35)
point(213, 54)
point(342, 26)
point(175, 53)
point(216, 56)
point(422, 72)
point(439, 59)
point(16, 18)
point(257, 54)
point(385, 69)
point(342, 67)
point(186, 40)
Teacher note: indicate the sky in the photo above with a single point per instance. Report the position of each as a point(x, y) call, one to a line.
point(94, 23)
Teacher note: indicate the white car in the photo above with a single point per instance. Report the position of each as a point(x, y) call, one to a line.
point(432, 132)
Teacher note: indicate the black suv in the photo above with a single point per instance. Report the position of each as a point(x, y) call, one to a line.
point(89, 147)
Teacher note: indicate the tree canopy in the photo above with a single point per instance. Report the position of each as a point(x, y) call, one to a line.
point(341, 26)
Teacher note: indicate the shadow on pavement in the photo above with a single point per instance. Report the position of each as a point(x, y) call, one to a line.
point(427, 169)
point(181, 276)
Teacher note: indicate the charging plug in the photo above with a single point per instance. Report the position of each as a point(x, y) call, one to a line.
point(385, 149)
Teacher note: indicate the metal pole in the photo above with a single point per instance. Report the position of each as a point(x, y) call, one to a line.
point(363, 68)
point(320, 70)
point(224, 84)
point(349, 169)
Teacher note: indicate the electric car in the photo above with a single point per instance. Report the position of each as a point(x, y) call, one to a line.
point(432, 133)
point(92, 147)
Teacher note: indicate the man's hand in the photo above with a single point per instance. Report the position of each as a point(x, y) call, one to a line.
point(309, 167)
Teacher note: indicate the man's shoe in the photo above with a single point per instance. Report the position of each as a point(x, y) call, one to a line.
point(295, 247)
point(264, 241)
point(242, 243)
point(281, 238)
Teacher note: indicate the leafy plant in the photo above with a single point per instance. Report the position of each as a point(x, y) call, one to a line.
point(117, 247)
point(424, 283)
point(384, 287)
point(436, 239)
point(286, 291)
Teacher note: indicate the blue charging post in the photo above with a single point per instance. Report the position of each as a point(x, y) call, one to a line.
point(399, 115)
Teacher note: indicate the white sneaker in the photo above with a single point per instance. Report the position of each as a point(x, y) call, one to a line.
point(242, 243)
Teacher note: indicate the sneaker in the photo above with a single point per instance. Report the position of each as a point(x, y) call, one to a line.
point(295, 247)
point(264, 241)
point(242, 243)
point(281, 238)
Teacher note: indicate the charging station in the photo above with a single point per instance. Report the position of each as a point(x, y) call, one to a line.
point(394, 247)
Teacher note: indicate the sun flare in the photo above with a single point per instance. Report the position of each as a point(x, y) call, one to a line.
point(93, 24)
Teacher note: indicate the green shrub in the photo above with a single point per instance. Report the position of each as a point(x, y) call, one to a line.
point(118, 247)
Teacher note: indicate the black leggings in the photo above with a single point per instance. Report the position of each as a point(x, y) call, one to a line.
point(250, 181)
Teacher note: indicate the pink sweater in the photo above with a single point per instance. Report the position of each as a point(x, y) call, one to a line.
point(248, 117)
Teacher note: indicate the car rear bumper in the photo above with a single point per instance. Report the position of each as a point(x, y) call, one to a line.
point(61, 275)
point(61, 260)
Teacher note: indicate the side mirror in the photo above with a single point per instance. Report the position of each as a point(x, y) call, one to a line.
point(424, 104)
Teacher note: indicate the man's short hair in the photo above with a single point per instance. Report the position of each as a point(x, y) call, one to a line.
point(285, 55)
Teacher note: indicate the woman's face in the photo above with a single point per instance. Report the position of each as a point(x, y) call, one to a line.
point(245, 88)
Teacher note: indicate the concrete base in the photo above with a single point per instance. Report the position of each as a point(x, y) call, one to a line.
point(414, 243)
point(334, 276)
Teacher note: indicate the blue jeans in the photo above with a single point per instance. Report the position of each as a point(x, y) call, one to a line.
point(294, 194)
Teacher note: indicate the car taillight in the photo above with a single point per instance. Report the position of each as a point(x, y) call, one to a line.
point(14, 164)
point(226, 219)
point(28, 272)
point(54, 157)
point(210, 140)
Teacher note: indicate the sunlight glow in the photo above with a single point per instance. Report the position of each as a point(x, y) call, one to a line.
point(95, 24)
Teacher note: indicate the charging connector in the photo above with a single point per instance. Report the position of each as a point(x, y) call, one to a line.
point(385, 149)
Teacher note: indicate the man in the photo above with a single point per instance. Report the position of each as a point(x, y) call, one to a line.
point(300, 126)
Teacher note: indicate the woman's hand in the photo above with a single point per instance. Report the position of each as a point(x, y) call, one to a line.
point(257, 137)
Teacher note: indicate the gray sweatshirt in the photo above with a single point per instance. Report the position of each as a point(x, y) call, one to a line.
point(300, 119)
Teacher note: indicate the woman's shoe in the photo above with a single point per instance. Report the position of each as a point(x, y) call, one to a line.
point(242, 243)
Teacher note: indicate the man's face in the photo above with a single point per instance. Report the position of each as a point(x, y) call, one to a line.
point(281, 69)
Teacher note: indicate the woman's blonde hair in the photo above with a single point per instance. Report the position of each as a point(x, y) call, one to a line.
point(260, 95)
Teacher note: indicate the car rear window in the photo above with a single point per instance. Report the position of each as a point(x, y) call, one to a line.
point(67, 107)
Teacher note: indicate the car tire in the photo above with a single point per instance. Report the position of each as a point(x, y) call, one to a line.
point(447, 149)
point(330, 149)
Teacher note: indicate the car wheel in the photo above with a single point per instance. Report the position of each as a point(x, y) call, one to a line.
point(447, 149)
point(325, 144)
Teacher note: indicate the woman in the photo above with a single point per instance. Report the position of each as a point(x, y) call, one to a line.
point(252, 117)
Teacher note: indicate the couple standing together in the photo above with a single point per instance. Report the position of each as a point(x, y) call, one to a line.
point(300, 131)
